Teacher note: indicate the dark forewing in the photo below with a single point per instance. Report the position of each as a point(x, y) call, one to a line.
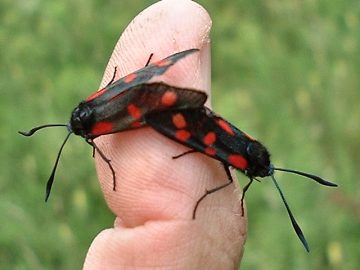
point(205, 132)
point(138, 77)
point(127, 110)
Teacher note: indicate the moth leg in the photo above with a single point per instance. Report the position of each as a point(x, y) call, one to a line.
point(115, 70)
point(108, 161)
point(148, 61)
point(93, 148)
point(243, 194)
point(185, 153)
point(113, 77)
point(208, 192)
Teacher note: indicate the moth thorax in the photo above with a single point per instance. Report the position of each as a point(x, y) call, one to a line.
point(82, 119)
point(259, 160)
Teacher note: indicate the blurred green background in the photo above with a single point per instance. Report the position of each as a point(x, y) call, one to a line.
point(287, 72)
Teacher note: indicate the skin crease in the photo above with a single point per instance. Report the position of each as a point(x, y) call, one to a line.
point(155, 195)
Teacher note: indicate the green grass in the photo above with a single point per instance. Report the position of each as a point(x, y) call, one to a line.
point(287, 72)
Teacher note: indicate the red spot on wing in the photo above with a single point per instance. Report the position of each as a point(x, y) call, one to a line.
point(136, 124)
point(238, 161)
point(182, 135)
point(179, 121)
point(129, 78)
point(163, 63)
point(134, 111)
point(210, 151)
point(209, 138)
point(226, 127)
point(169, 98)
point(96, 94)
point(100, 128)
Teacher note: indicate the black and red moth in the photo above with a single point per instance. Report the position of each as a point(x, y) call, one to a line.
point(122, 104)
point(206, 132)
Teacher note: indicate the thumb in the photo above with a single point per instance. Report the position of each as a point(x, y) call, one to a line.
point(155, 195)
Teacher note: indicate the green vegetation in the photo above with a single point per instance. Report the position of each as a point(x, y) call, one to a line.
point(287, 72)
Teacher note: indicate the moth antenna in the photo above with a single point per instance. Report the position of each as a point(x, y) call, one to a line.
point(307, 175)
point(32, 131)
point(295, 225)
point(51, 178)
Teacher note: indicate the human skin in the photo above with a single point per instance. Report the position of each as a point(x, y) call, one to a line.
point(155, 195)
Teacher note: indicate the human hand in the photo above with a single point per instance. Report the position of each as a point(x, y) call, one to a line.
point(155, 194)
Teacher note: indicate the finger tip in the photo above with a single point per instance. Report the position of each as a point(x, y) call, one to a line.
point(166, 27)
